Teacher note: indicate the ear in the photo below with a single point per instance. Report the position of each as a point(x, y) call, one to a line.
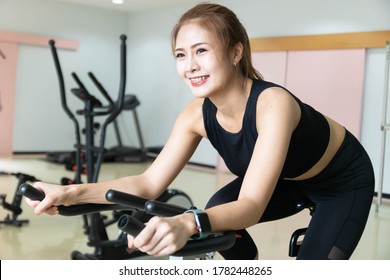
point(237, 53)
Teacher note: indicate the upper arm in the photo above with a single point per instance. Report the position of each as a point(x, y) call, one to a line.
point(277, 116)
point(182, 142)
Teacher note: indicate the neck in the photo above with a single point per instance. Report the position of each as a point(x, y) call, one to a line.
point(233, 99)
point(231, 106)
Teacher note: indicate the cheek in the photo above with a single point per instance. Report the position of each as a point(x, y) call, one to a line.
point(180, 69)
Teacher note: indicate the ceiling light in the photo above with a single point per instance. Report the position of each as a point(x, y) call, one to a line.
point(118, 1)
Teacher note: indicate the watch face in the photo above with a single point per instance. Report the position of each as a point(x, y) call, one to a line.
point(203, 222)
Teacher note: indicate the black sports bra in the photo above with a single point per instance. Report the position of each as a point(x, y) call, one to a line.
point(307, 145)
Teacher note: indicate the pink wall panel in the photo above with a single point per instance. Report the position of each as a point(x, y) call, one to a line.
point(331, 81)
point(9, 43)
point(38, 40)
point(7, 90)
point(272, 65)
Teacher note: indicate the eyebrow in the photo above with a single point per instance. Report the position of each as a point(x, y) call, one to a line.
point(192, 47)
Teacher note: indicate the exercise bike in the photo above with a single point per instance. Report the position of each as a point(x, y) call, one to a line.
point(130, 224)
point(95, 223)
point(14, 206)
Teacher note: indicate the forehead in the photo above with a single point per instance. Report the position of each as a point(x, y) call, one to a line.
point(192, 33)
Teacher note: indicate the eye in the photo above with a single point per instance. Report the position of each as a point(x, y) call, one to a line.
point(200, 51)
point(179, 55)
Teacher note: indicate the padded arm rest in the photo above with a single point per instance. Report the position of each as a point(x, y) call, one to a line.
point(153, 207)
point(126, 199)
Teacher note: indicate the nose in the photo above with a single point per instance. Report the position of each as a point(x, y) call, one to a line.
point(192, 65)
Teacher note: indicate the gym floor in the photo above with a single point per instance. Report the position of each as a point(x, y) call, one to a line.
point(54, 238)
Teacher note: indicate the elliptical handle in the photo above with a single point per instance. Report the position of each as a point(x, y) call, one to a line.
point(77, 80)
point(65, 106)
point(122, 83)
point(101, 89)
point(116, 109)
point(60, 79)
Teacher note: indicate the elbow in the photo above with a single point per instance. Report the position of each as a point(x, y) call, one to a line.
point(254, 212)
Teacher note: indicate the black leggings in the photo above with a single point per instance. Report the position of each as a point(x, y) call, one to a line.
point(342, 193)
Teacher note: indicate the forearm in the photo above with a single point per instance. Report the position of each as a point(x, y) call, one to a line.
point(234, 215)
point(95, 192)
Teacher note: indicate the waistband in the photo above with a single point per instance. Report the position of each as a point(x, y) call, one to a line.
point(348, 151)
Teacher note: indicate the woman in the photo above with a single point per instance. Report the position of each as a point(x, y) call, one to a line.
point(281, 150)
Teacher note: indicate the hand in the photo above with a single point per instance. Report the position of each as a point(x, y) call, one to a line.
point(163, 236)
point(54, 195)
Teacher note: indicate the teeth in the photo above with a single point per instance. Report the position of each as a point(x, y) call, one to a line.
point(197, 80)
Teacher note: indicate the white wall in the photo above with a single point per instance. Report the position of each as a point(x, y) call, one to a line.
point(40, 124)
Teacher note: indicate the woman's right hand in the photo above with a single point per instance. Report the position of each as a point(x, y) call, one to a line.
point(54, 195)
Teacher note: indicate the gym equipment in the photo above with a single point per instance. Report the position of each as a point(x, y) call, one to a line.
point(131, 224)
point(93, 154)
point(297, 236)
point(385, 127)
point(119, 153)
point(199, 248)
point(14, 206)
point(123, 153)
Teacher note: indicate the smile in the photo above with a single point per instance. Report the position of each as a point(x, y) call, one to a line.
point(198, 80)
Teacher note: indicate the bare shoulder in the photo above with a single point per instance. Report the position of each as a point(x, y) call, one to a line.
point(278, 104)
point(275, 94)
point(192, 117)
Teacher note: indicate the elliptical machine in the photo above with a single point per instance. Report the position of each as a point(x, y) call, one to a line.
point(95, 224)
point(122, 153)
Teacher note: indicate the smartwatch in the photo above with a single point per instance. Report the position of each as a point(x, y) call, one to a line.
point(202, 223)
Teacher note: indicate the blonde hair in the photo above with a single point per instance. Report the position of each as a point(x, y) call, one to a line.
point(224, 24)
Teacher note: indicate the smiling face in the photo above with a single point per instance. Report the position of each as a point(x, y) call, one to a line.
point(202, 61)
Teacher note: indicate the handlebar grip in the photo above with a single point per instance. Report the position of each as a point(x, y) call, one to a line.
point(32, 193)
point(127, 199)
point(130, 225)
point(211, 244)
point(74, 210)
point(159, 208)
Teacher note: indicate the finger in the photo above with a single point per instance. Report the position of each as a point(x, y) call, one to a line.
point(163, 237)
point(155, 245)
point(165, 251)
point(130, 241)
point(32, 203)
point(52, 211)
point(145, 240)
point(41, 207)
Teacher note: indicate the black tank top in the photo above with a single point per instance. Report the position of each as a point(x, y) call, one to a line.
point(307, 145)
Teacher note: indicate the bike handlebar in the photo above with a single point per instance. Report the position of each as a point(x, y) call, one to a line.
point(132, 226)
point(74, 210)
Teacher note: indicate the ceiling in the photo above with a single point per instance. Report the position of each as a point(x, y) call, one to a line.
point(132, 5)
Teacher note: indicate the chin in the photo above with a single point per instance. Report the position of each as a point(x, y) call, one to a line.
point(200, 94)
